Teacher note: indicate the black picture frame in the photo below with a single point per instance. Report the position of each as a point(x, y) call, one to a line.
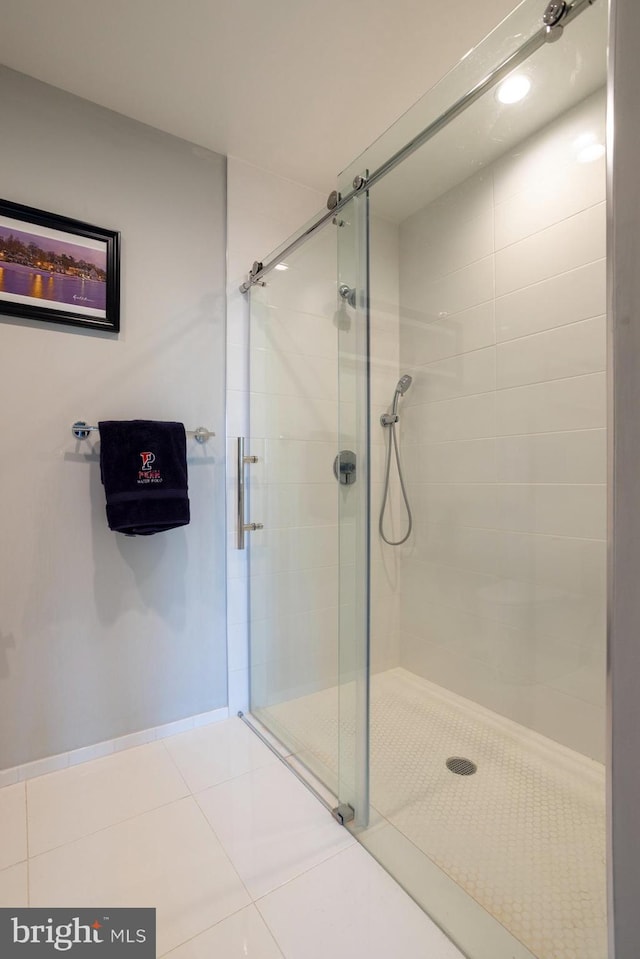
point(61, 285)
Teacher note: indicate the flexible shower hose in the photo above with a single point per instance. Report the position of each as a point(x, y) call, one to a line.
point(393, 439)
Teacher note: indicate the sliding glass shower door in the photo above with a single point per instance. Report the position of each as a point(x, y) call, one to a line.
point(487, 359)
point(307, 489)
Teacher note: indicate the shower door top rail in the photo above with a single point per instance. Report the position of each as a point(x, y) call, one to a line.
point(557, 15)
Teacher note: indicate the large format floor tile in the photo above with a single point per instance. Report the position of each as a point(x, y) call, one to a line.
point(212, 754)
point(272, 828)
point(13, 886)
point(13, 825)
point(78, 801)
point(242, 936)
point(350, 908)
point(168, 858)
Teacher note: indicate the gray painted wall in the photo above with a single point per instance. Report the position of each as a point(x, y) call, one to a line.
point(102, 635)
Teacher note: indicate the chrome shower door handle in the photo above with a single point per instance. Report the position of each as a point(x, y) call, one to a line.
point(243, 527)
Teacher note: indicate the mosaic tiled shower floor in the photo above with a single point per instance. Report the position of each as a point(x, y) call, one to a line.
point(524, 836)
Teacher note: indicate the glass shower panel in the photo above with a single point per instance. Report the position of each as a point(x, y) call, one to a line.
point(487, 358)
point(354, 509)
point(294, 559)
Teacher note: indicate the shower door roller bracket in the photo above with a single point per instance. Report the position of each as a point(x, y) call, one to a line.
point(344, 467)
point(344, 813)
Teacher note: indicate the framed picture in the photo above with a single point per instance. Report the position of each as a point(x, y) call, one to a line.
point(58, 270)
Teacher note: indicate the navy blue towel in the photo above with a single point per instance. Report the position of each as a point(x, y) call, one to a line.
point(143, 464)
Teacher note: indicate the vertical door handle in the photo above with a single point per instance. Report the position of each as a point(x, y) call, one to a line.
point(243, 527)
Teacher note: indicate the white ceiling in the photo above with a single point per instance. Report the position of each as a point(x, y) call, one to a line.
point(299, 87)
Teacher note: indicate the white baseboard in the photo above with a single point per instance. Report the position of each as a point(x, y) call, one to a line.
point(49, 764)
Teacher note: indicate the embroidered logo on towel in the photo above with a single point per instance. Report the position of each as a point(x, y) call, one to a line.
point(146, 474)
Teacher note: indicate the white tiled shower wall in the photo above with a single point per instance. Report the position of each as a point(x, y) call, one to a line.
point(502, 303)
point(384, 361)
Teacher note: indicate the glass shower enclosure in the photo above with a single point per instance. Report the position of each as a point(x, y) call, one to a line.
point(444, 691)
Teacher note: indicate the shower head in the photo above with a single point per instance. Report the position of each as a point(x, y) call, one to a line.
point(403, 384)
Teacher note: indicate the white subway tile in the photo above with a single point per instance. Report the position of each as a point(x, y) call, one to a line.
point(565, 510)
point(570, 457)
point(468, 417)
point(467, 548)
point(566, 719)
point(439, 245)
point(237, 368)
point(463, 375)
point(304, 547)
point(546, 200)
point(453, 293)
point(571, 243)
point(275, 637)
point(464, 504)
point(238, 646)
point(237, 319)
point(309, 285)
point(293, 590)
point(294, 504)
point(567, 351)
point(566, 298)
point(466, 201)
point(573, 404)
point(572, 511)
point(298, 461)
point(291, 374)
point(237, 413)
point(238, 691)
point(465, 461)
point(554, 146)
point(424, 340)
point(237, 601)
point(291, 331)
point(300, 417)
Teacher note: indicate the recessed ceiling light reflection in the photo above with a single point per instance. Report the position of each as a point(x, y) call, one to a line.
point(590, 153)
point(281, 266)
point(513, 89)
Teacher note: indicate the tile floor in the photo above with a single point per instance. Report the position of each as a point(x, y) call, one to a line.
point(239, 859)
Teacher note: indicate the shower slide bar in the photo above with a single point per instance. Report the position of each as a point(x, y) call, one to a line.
point(81, 431)
point(557, 15)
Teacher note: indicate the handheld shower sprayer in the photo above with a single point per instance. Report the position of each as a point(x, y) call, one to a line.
point(390, 420)
point(403, 385)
